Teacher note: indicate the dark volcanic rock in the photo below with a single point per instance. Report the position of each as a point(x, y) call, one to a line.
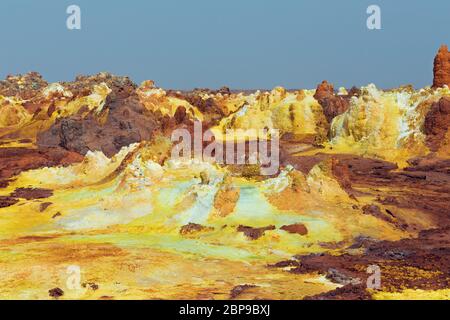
point(127, 121)
point(124, 120)
point(15, 160)
point(55, 293)
point(347, 292)
point(402, 264)
point(7, 201)
point(31, 193)
point(442, 68)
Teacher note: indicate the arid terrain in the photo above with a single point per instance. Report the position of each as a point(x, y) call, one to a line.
point(87, 179)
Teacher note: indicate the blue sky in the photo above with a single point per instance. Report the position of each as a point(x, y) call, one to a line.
point(244, 44)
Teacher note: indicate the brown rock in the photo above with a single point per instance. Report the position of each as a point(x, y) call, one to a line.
point(127, 122)
point(254, 233)
point(55, 293)
point(23, 86)
point(421, 262)
point(341, 172)
point(240, 289)
point(341, 277)
point(442, 68)
point(437, 123)
point(124, 120)
point(373, 210)
point(332, 104)
point(90, 285)
point(43, 206)
point(4, 183)
point(387, 215)
point(7, 201)
point(15, 160)
point(180, 114)
point(122, 87)
point(56, 215)
point(347, 292)
point(298, 228)
point(32, 193)
point(192, 228)
point(324, 90)
point(211, 110)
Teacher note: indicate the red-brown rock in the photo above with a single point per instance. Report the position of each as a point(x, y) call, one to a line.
point(22, 86)
point(442, 68)
point(333, 105)
point(298, 228)
point(15, 160)
point(437, 122)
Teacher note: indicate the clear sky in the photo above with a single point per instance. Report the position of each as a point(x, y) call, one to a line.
point(244, 44)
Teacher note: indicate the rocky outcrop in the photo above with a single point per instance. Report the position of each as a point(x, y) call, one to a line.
point(442, 68)
point(387, 215)
point(424, 259)
point(31, 193)
point(126, 123)
point(56, 293)
point(22, 86)
point(437, 122)
point(121, 87)
point(207, 106)
point(6, 201)
point(254, 233)
point(240, 289)
point(193, 228)
point(122, 121)
point(332, 104)
point(298, 228)
point(204, 100)
point(15, 160)
point(341, 173)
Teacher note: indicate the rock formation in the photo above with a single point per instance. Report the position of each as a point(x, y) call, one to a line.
point(332, 104)
point(437, 124)
point(442, 68)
